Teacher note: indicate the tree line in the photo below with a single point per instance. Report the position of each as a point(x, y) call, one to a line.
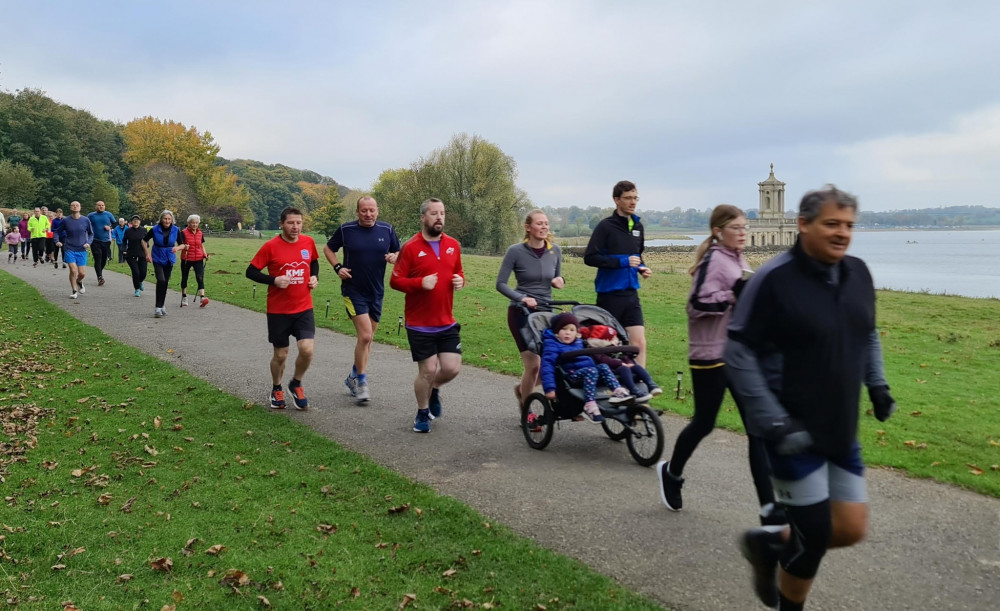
point(52, 153)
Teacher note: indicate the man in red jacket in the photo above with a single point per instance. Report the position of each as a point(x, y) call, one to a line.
point(429, 271)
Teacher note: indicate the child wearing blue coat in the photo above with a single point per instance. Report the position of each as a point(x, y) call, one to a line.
point(562, 336)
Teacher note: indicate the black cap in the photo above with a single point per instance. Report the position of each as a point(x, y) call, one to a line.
point(135, 216)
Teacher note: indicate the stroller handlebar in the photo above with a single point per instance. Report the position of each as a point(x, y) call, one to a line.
point(545, 305)
point(572, 354)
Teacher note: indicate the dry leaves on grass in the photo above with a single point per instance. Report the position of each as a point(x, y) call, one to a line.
point(20, 426)
point(162, 564)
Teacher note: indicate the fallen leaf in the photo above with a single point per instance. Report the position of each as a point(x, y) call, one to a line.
point(177, 596)
point(126, 577)
point(400, 509)
point(215, 550)
point(58, 567)
point(127, 507)
point(327, 529)
point(264, 601)
point(234, 578)
point(157, 422)
point(449, 573)
point(162, 564)
point(407, 599)
point(151, 450)
point(916, 413)
point(355, 592)
point(187, 551)
point(76, 551)
point(50, 465)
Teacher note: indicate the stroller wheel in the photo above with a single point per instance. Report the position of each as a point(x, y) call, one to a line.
point(645, 439)
point(537, 420)
point(614, 428)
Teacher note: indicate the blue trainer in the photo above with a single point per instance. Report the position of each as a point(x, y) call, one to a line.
point(352, 385)
point(422, 423)
point(435, 404)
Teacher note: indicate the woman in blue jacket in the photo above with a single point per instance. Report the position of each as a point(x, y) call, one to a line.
point(164, 236)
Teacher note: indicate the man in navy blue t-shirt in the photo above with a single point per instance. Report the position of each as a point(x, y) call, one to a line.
point(368, 244)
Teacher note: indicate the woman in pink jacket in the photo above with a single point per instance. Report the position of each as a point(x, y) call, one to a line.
point(718, 276)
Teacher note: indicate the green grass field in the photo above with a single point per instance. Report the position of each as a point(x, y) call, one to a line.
point(942, 356)
point(114, 463)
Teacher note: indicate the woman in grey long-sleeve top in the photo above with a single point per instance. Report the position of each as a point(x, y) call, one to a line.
point(537, 266)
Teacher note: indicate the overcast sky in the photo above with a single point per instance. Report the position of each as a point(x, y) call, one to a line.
point(691, 100)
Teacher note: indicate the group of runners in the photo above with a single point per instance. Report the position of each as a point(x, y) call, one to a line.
point(793, 342)
point(77, 236)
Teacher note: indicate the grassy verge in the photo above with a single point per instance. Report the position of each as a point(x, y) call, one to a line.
point(942, 354)
point(114, 462)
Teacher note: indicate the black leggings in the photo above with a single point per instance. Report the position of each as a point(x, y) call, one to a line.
point(199, 273)
point(138, 267)
point(102, 256)
point(162, 272)
point(38, 249)
point(709, 389)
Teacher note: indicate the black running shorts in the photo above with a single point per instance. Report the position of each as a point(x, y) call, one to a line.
point(624, 306)
point(425, 345)
point(280, 326)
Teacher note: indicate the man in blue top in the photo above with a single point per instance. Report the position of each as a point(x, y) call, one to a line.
point(368, 245)
point(56, 224)
point(615, 249)
point(75, 235)
point(102, 223)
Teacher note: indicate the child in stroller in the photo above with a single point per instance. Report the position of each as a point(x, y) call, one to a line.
point(624, 366)
point(562, 337)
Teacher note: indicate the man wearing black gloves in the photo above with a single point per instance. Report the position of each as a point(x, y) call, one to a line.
point(801, 343)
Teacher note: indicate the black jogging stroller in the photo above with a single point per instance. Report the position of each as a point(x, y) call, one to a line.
point(637, 424)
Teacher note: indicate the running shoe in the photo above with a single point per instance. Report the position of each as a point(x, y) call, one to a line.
point(760, 547)
point(362, 396)
point(352, 385)
point(138, 293)
point(278, 399)
point(158, 313)
point(299, 396)
point(142, 285)
point(643, 398)
point(435, 403)
point(163, 310)
point(74, 295)
point(422, 423)
point(204, 302)
point(100, 281)
point(533, 427)
point(83, 289)
point(55, 264)
point(670, 486)
point(620, 395)
point(184, 302)
point(655, 390)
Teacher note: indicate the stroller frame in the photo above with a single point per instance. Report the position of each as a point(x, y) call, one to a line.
point(637, 424)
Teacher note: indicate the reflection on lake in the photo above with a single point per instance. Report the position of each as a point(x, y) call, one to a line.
point(952, 262)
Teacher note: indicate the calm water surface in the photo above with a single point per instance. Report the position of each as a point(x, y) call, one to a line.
point(951, 262)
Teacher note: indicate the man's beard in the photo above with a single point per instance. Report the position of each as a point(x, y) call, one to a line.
point(434, 231)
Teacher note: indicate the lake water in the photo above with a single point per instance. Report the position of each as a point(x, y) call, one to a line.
point(952, 262)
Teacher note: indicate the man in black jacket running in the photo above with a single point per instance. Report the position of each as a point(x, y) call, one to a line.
point(801, 343)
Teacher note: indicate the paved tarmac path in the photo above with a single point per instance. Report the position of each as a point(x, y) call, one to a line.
point(931, 546)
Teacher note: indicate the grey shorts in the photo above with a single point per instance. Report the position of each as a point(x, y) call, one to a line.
point(808, 478)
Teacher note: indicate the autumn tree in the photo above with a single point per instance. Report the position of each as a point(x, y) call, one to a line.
point(474, 178)
point(151, 143)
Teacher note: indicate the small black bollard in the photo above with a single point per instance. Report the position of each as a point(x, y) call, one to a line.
point(399, 326)
point(254, 291)
point(680, 376)
point(327, 308)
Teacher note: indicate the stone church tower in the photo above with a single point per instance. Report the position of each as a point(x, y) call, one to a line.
point(771, 228)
